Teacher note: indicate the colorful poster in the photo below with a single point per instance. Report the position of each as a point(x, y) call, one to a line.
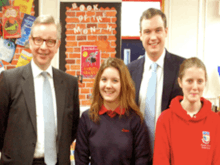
point(90, 61)
point(1, 66)
point(7, 48)
point(4, 3)
point(25, 29)
point(11, 22)
point(25, 5)
point(72, 150)
point(0, 29)
point(24, 58)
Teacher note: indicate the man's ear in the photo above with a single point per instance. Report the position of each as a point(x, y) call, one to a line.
point(140, 36)
point(166, 31)
point(58, 43)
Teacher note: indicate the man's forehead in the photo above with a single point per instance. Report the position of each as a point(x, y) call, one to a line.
point(152, 24)
point(49, 29)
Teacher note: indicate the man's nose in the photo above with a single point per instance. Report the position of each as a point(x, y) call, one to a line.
point(153, 36)
point(43, 45)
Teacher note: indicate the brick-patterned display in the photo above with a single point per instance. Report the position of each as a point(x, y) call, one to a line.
point(88, 25)
point(18, 47)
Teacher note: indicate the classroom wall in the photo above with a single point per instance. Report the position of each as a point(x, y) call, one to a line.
point(193, 31)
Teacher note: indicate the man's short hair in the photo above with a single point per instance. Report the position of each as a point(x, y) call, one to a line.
point(151, 12)
point(47, 19)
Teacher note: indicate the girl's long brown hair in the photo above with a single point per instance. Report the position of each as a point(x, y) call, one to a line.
point(127, 94)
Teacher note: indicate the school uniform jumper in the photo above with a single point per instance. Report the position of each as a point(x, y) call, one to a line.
point(184, 140)
point(115, 140)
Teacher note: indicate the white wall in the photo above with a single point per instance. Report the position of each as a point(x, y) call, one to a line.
point(194, 31)
point(50, 7)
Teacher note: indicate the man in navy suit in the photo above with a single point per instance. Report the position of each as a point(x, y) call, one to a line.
point(153, 31)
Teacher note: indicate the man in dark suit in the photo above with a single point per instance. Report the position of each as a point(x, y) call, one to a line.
point(153, 31)
point(23, 110)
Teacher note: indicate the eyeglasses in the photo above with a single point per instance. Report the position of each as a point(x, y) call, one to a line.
point(39, 41)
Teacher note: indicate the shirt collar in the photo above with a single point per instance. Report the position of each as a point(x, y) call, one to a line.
point(37, 71)
point(111, 113)
point(159, 62)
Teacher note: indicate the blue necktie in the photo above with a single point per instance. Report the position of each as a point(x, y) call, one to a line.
point(50, 154)
point(151, 104)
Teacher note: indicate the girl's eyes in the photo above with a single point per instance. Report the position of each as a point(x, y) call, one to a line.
point(114, 80)
point(189, 81)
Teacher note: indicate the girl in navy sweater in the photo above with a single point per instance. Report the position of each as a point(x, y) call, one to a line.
point(112, 131)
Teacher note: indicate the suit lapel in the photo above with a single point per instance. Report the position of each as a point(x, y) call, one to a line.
point(169, 78)
point(137, 76)
point(28, 90)
point(60, 91)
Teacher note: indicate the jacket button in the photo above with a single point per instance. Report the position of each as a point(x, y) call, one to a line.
point(33, 144)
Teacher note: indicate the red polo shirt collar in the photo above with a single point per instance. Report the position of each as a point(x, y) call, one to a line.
point(111, 113)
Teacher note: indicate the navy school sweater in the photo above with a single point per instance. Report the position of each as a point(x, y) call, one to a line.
point(114, 141)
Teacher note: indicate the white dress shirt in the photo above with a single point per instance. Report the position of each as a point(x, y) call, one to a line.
point(38, 88)
point(144, 84)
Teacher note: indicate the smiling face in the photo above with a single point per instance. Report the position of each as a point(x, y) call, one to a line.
point(193, 84)
point(110, 86)
point(42, 55)
point(152, 35)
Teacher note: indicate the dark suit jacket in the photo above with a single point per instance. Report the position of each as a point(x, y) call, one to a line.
point(18, 132)
point(170, 83)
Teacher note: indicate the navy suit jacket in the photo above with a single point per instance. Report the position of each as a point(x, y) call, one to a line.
point(18, 127)
point(170, 84)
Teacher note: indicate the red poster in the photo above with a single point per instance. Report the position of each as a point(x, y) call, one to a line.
point(11, 22)
point(90, 61)
point(0, 29)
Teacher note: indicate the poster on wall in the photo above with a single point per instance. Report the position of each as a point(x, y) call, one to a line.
point(25, 5)
point(1, 66)
point(89, 23)
point(4, 3)
point(24, 58)
point(7, 48)
point(26, 25)
point(11, 22)
point(90, 61)
point(0, 29)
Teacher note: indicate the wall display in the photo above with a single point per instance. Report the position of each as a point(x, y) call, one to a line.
point(90, 61)
point(3, 3)
point(7, 48)
point(24, 58)
point(11, 22)
point(0, 28)
point(25, 5)
point(1, 66)
point(25, 29)
point(89, 24)
point(18, 48)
